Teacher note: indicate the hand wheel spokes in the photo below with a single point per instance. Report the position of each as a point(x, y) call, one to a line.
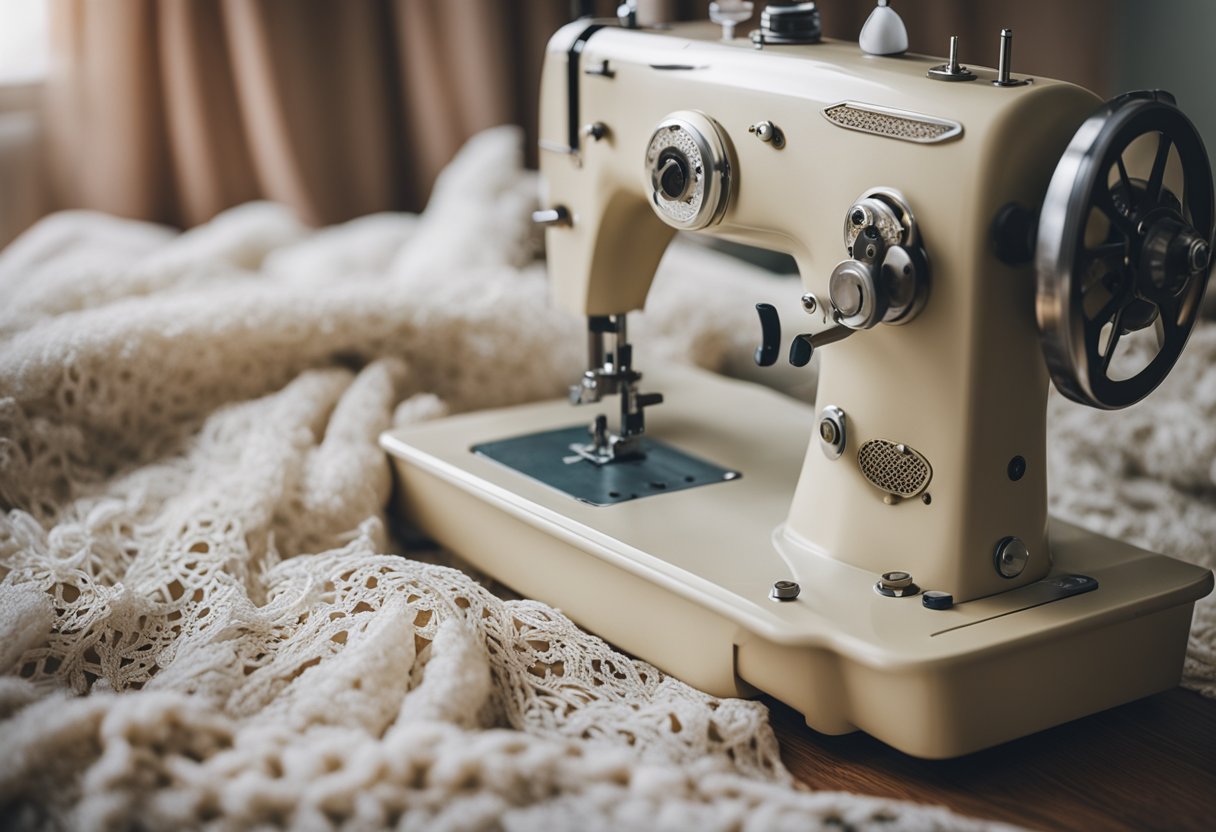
point(1124, 243)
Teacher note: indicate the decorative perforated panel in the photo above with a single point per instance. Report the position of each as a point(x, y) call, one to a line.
point(895, 124)
point(894, 468)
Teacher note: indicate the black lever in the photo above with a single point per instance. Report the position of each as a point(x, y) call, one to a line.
point(770, 335)
point(803, 346)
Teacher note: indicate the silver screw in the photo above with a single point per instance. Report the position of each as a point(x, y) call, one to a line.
point(828, 432)
point(785, 591)
point(1011, 556)
point(810, 303)
point(896, 584)
point(896, 580)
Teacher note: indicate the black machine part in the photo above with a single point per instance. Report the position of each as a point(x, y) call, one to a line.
point(1124, 243)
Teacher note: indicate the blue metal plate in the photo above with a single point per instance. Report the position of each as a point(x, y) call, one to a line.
point(548, 458)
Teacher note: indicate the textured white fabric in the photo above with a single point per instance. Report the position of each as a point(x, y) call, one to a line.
point(195, 535)
point(1147, 474)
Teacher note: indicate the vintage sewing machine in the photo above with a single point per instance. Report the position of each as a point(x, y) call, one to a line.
point(883, 561)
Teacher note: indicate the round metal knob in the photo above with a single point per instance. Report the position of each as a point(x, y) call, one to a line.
point(688, 167)
point(854, 294)
point(673, 175)
point(896, 580)
point(1011, 557)
point(896, 584)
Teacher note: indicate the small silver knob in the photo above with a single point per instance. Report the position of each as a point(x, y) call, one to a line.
point(897, 584)
point(1011, 557)
point(896, 580)
point(556, 216)
point(769, 133)
point(832, 436)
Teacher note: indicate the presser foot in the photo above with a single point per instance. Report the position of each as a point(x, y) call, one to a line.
point(687, 579)
point(607, 447)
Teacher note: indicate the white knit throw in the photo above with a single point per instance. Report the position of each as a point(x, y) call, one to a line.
point(203, 621)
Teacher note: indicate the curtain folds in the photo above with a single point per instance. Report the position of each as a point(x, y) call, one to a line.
point(172, 110)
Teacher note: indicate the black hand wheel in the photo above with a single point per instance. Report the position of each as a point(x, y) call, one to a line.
point(1124, 243)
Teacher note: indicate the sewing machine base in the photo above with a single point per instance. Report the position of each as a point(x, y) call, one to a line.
point(683, 580)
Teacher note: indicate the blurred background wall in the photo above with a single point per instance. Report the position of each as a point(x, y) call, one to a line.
point(173, 111)
point(1166, 44)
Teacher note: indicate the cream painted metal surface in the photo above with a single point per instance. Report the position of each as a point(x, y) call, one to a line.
point(964, 383)
point(683, 579)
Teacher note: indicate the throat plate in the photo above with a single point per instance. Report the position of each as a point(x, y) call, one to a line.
point(548, 457)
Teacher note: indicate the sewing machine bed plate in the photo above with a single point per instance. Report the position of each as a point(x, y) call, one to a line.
point(683, 580)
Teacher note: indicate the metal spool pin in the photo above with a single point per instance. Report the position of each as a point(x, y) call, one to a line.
point(1149, 268)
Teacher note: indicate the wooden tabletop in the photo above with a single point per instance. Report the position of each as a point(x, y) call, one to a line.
point(1147, 765)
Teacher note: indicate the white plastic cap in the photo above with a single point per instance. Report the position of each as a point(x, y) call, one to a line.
point(883, 32)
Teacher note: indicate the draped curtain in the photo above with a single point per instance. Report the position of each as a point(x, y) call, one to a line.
point(172, 111)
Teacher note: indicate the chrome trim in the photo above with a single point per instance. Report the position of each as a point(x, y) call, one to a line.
point(707, 137)
point(952, 129)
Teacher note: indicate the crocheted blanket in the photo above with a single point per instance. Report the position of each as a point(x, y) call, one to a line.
point(204, 620)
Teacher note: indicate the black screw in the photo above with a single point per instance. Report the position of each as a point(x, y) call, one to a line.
point(785, 591)
point(858, 217)
point(1017, 468)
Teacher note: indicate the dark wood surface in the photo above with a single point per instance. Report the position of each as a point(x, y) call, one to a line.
point(1147, 765)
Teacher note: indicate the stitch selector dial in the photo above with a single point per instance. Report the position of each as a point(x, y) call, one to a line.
point(688, 170)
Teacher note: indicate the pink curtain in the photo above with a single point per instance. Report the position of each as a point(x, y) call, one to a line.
point(174, 110)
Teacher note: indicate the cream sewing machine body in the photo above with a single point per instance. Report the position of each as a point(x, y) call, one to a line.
point(784, 547)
